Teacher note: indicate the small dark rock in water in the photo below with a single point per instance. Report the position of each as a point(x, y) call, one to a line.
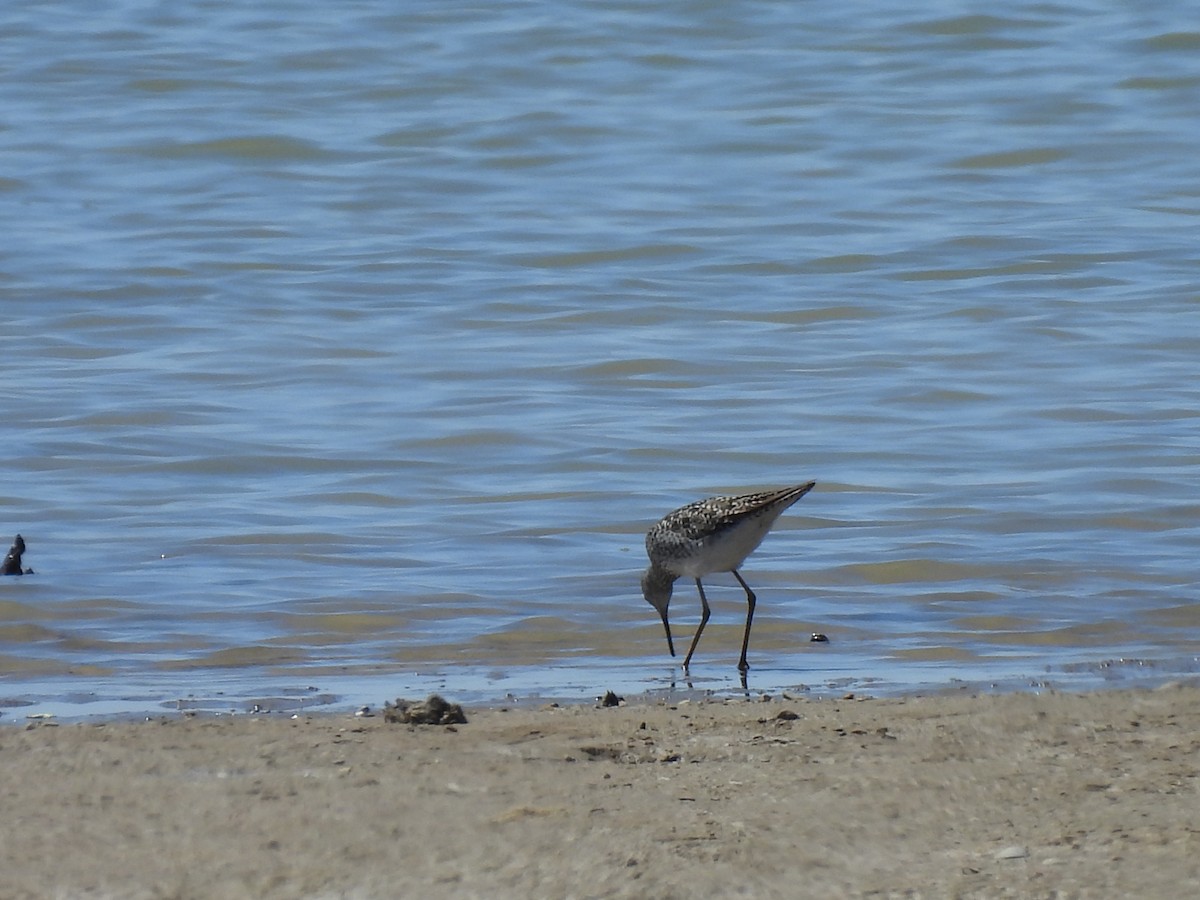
point(610, 699)
point(12, 562)
point(434, 711)
point(818, 638)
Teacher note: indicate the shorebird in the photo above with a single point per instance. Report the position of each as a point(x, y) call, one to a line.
point(713, 535)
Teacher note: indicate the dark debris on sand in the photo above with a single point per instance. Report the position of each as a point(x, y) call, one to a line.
point(434, 711)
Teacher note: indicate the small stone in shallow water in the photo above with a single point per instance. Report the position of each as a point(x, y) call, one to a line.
point(12, 562)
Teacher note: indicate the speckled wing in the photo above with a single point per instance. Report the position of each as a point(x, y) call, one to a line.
point(705, 519)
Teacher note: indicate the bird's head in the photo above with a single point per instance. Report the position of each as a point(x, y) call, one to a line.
point(656, 588)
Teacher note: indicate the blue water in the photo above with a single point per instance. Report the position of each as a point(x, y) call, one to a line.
point(349, 352)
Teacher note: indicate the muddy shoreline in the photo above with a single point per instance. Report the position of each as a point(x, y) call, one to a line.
point(953, 795)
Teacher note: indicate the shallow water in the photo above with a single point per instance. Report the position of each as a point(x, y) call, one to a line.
point(349, 353)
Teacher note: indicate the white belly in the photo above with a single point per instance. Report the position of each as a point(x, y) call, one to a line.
point(727, 550)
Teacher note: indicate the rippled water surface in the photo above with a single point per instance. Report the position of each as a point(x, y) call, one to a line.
point(348, 352)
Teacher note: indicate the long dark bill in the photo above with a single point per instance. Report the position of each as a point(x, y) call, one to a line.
point(667, 628)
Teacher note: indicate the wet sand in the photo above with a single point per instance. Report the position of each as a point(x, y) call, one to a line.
point(1049, 795)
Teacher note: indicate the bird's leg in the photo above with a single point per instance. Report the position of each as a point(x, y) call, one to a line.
point(750, 601)
point(704, 613)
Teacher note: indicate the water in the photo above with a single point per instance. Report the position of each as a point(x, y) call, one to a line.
point(348, 352)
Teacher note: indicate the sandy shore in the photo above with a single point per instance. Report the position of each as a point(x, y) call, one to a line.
point(1051, 795)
